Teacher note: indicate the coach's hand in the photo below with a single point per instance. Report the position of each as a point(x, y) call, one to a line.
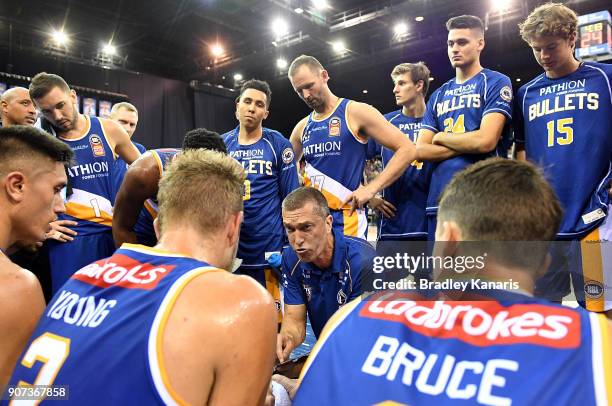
point(60, 231)
point(359, 198)
point(284, 345)
point(387, 209)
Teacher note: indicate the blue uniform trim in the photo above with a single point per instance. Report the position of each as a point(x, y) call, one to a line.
point(404, 355)
point(409, 192)
point(324, 291)
point(115, 306)
point(546, 109)
point(92, 180)
point(485, 93)
point(271, 175)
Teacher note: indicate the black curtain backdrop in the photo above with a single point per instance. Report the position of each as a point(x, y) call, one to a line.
point(214, 107)
point(167, 108)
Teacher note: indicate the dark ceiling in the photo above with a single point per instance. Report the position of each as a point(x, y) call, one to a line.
point(171, 38)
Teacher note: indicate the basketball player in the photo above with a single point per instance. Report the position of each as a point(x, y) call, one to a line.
point(403, 203)
point(397, 348)
point(126, 115)
point(17, 107)
point(322, 268)
point(562, 124)
point(136, 204)
point(167, 325)
point(333, 140)
point(466, 116)
point(271, 175)
point(96, 143)
point(32, 176)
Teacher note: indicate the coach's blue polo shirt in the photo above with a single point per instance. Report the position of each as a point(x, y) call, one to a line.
point(324, 291)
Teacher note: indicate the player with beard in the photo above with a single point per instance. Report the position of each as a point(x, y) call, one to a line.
point(97, 143)
point(333, 141)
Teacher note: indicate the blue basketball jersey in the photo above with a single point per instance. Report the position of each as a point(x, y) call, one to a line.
point(459, 108)
point(271, 175)
point(565, 125)
point(400, 349)
point(102, 333)
point(324, 291)
point(409, 192)
point(93, 181)
point(143, 228)
point(335, 157)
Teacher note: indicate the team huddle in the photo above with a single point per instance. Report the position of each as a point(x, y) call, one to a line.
point(186, 275)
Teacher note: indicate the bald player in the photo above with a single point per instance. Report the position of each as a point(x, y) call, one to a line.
point(31, 178)
point(333, 140)
point(136, 203)
point(97, 143)
point(17, 107)
point(170, 325)
point(400, 348)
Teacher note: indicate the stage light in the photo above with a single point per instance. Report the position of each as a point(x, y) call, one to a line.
point(400, 29)
point(320, 4)
point(338, 46)
point(59, 37)
point(298, 10)
point(500, 5)
point(281, 63)
point(280, 27)
point(364, 91)
point(109, 49)
point(419, 18)
point(217, 50)
point(237, 77)
point(518, 79)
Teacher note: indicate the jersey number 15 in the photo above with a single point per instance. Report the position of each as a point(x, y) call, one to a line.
point(563, 129)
